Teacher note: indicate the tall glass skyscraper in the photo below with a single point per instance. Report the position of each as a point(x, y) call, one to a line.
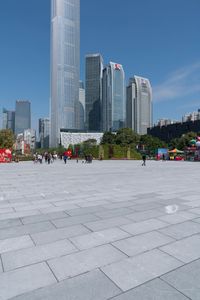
point(8, 119)
point(139, 104)
point(65, 67)
point(22, 116)
point(113, 100)
point(44, 126)
point(93, 91)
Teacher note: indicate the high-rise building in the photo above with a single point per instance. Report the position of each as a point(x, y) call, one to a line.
point(22, 116)
point(81, 106)
point(93, 91)
point(65, 66)
point(139, 104)
point(113, 100)
point(30, 138)
point(44, 128)
point(8, 119)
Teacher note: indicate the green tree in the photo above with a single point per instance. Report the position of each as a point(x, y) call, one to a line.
point(126, 136)
point(183, 141)
point(150, 143)
point(6, 138)
point(108, 138)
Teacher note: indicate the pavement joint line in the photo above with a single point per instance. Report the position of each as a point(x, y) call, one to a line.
point(51, 270)
point(2, 264)
point(166, 282)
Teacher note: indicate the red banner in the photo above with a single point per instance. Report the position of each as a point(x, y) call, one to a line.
point(5, 155)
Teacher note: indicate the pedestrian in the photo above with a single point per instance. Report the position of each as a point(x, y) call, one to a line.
point(65, 158)
point(144, 160)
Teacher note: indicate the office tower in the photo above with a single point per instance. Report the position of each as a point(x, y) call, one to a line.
point(22, 116)
point(113, 100)
point(65, 66)
point(81, 106)
point(139, 104)
point(8, 119)
point(30, 138)
point(44, 128)
point(93, 91)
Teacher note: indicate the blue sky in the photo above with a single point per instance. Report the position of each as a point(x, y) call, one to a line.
point(157, 39)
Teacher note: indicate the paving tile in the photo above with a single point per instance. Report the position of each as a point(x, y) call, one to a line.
point(10, 223)
point(84, 261)
point(1, 267)
point(25, 280)
point(16, 215)
point(93, 285)
point(56, 209)
point(186, 279)
point(185, 250)
point(132, 272)
point(195, 211)
point(196, 220)
point(153, 290)
point(181, 230)
point(114, 212)
point(119, 204)
point(98, 238)
point(145, 215)
point(84, 210)
point(43, 217)
point(5, 210)
point(144, 226)
point(69, 221)
point(90, 204)
point(146, 206)
point(58, 234)
point(15, 243)
point(141, 243)
point(25, 229)
point(107, 223)
point(20, 258)
point(178, 217)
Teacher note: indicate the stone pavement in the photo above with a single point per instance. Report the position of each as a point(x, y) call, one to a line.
point(106, 230)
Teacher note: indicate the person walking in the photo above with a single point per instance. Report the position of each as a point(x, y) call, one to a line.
point(144, 160)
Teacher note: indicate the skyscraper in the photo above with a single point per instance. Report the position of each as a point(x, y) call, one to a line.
point(81, 106)
point(93, 91)
point(139, 104)
point(113, 100)
point(8, 119)
point(65, 66)
point(22, 116)
point(44, 127)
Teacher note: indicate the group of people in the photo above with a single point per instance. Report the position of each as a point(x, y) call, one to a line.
point(47, 156)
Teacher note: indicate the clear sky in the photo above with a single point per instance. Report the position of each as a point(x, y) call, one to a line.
point(157, 39)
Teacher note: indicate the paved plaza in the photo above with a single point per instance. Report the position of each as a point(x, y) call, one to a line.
point(106, 230)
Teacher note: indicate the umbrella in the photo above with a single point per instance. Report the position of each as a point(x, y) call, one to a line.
point(176, 151)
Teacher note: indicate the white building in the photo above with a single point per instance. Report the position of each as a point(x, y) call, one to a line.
point(69, 138)
point(30, 138)
point(139, 104)
point(65, 67)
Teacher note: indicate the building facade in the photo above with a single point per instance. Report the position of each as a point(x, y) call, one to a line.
point(65, 66)
point(139, 104)
point(93, 91)
point(172, 131)
point(30, 138)
point(81, 105)
point(44, 129)
point(8, 119)
point(113, 99)
point(22, 116)
point(73, 138)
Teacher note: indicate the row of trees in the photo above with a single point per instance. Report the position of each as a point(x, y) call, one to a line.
point(125, 143)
